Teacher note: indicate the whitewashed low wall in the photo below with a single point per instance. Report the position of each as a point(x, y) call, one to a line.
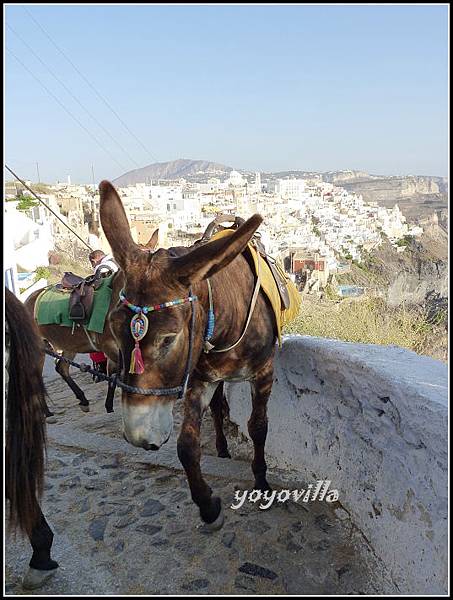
point(373, 420)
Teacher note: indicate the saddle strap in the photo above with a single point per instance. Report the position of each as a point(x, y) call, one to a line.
point(280, 280)
point(213, 227)
point(81, 302)
point(95, 349)
point(252, 307)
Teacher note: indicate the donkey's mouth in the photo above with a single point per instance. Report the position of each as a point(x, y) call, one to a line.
point(154, 447)
point(146, 445)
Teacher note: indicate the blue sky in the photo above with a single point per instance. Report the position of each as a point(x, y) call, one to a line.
point(254, 87)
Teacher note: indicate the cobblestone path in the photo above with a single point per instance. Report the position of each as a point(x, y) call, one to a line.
point(124, 522)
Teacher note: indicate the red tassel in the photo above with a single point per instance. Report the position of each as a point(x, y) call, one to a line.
point(137, 365)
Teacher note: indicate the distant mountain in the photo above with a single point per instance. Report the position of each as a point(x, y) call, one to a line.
point(174, 169)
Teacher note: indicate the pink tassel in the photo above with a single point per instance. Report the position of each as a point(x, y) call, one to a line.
point(137, 365)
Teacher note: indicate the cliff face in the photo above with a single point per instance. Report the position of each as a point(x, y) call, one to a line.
point(392, 188)
point(424, 272)
point(402, 186)
point(417, 197)
point(415, 275)
point(418, 276)
point(418, 287)
point(338, 177)
point(423, 281)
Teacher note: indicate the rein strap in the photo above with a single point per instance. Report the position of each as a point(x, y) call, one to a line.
point(209, 347)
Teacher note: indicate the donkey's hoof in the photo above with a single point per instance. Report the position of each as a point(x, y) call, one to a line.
point(36, 578)
point(51, 419)
point(215, 526)
point(84, 407)
point(262, 485)
point(264, 488)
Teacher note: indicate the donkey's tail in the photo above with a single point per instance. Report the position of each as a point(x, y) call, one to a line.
point(25, 413)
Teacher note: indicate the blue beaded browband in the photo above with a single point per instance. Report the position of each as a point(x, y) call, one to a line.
point(146, 309)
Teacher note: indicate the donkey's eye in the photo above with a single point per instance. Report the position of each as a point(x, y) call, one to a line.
point(167, 340)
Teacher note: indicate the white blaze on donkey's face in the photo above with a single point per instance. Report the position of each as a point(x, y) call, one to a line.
point(149, 425)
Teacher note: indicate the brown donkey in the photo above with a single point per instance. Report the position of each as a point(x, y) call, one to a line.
point(63, 339)
point(164, 309)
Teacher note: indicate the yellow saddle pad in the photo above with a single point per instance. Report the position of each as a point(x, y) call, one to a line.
point(269, 287)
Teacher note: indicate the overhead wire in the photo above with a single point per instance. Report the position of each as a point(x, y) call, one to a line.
point(89, 84)
point(66, 110)
point(48, 207)
point(72, 95)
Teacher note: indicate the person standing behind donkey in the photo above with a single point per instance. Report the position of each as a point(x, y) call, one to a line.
point(100, 261)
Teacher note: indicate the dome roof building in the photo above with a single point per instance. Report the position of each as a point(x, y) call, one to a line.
point(236, 179)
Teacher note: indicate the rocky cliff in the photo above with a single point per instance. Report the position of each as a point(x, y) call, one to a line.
point(416, 277)
point(417, 196)
point(411, 276)
point(338, 177)
point(385, 188)
point(422, 270)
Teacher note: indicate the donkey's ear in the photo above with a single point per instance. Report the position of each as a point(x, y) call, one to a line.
point(209, 258)
point(115, 224)
point(152, 242)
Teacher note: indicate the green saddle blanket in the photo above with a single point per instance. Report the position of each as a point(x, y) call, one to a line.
point(52, 307)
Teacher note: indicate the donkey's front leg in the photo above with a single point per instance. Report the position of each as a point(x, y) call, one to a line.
point(112, 368)
point(196, 401)
point(257, 424)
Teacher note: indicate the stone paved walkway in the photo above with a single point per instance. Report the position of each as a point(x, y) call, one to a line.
point(124, 522)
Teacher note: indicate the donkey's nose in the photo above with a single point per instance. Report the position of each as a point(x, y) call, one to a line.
point(148, 446)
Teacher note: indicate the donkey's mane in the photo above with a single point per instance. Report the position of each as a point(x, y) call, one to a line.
point(179, 250)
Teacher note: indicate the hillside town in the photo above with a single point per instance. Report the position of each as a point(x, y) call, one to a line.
point(311, 226)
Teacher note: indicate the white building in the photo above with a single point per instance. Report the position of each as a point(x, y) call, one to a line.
point(31, 241)
point(235, 179)
point(290, 188)
point(258, 182)
point(9, 261)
